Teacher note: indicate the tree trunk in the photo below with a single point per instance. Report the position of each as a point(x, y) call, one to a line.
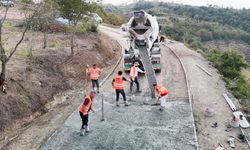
point(3, 60)
point(30, 52)
point(3, 72)
point(31, 43)
point(44, 40)
point(72, 44)
point(44, 34)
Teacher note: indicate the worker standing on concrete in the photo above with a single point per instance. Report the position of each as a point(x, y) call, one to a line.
point(119, 87)
point(134, 76)
point(162, 95)
point(84, 109)
point(95, 73)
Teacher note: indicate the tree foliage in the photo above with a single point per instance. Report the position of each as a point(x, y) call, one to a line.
point(109, 8)
point(73, 9)
point(142, 5)
point(224, 16)
point(109, 18)
point(229, 62)
point(202, 31)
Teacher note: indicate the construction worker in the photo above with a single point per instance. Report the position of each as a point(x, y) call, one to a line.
point(162, 95)
point(84, 109)
point(117, 83)
point(134, 76)
point(95, 73)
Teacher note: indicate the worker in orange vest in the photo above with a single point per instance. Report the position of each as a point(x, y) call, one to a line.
point(162, 95)
point(134, 76)
point(95, 73)
point(84, 109)
point(118, 85)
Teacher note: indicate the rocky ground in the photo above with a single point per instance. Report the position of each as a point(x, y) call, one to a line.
point(207, 92)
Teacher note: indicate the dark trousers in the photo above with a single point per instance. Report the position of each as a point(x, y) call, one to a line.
point(137, 84)
point(118, 92)
point(95, 83)
point(85, 120)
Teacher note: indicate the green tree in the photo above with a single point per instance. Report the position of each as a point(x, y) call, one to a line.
point(229, 62)
point(73, 10)
point(5, 57)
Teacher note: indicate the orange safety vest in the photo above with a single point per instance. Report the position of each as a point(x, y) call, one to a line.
point(118, 84)
point(161, 90)
point(133, 72)
point(85, 110)
point(94, 73)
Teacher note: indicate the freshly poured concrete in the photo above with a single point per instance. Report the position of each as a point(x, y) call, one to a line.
point(139, 126)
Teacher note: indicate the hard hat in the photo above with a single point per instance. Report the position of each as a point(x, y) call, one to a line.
point(136, 63)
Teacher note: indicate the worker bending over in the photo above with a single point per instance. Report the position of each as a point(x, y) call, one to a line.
point(95, 73)
point(118, 85)
point(162, 95)
point(134, 76)
point(84, 109)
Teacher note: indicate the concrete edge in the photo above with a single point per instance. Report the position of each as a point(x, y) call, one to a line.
point(188, 92)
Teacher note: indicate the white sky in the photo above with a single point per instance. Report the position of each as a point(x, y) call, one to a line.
point(221, 3)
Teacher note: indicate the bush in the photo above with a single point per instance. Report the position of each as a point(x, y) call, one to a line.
point(113, 19)
point(53, 42)
point(229, 63)
point(84, 26)
point(93, 27)
point(81, 27)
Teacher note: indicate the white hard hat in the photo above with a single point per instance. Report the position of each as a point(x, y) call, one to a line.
point(136, 63)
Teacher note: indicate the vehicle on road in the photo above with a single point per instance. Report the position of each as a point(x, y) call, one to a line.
point(96, 17)
point(124, 27)
point(7, 3)
point(143, 30)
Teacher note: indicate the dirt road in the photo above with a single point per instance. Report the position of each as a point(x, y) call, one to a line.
point(139, 126)
point(206, 92)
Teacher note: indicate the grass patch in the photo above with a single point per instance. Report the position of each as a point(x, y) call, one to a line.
point(23, 52)
point(53, 42)
point(246, 74)
point(8, 25)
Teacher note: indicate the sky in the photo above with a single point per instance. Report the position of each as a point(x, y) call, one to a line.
point(238, 4)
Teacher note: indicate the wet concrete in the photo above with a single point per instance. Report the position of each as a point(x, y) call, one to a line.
point(139, 126)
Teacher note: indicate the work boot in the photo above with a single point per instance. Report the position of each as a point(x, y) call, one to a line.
point(87, 129)
point(82, 131)
point(231, 142)
point(117, 104)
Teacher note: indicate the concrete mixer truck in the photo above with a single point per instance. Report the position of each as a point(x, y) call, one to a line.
point(144, 46)
point(143, 30)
